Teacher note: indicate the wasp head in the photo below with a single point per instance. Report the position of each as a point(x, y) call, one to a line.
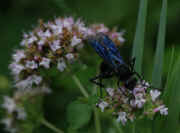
point(131, 83)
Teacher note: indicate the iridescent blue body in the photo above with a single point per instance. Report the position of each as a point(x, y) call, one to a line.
point(106, 49)
point(113, 63)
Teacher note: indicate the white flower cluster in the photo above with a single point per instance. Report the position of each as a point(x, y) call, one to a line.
point(12, 108)
point(125, 103)
point(54, 43)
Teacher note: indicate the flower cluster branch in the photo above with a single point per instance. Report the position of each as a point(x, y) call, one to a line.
point(54, 44)
point(127, 104)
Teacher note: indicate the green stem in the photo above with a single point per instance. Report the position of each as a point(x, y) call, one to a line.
point(50, 126)
point(82, 89)
point(116, 124)
point(134, 127)
point(97, 121)
point(84, 92)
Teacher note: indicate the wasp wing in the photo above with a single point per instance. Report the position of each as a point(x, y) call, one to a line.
point(107, 42)
point(106, 49)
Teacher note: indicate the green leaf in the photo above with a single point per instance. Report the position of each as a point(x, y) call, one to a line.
point(138, 45)
point(171, 62)
point(158, 63)
point(173, 101)
point(158, 123)
point(78, 114)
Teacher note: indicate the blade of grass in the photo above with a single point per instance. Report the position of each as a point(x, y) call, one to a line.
point(158, 63)
point(165, 95)
point(158, 60)
point(172, 122)
point(171, 80)
point(158, 123)
point(138, 44)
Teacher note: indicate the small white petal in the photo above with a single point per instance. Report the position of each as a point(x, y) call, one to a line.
point(21, 114)
point(9, 104)
point(55, 45)
point(110, 91)
point(69, 56)
point(58, 22)
point(67, 23)
point(18, 55)
point(45, 62)
point(61, 65)
point(154, 94)
point(23, 42)
point(132, 103)
point(40, 33)
point(122, 117)
point(35, 79)
point(24, 84)
point(102, 28)
point(56, 29)
point(41, 42)
point(47, 33)
point(139, 100)
point(121, 39)
point(25, 35)
point(163, 110)
point(16, 68)
point(102, 105)
point(32, 39)
point(31, 64)
point(75, 41)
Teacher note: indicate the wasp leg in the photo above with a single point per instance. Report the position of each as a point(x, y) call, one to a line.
point(100, 80)
point(118, 83)
point(120, 88)
point(105, 73)
point(138, 75)
point(132, 63)
point(100, 77)
point(93, 80)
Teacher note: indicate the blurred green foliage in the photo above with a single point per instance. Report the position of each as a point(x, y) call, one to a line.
point(21, 16)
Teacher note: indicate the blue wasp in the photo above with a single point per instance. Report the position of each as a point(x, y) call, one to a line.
point(113, 63)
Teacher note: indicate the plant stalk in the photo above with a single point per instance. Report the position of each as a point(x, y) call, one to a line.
point(51, 126)
point(117, 126)
point(78, 83)
point(97, 121)
point(84, 92)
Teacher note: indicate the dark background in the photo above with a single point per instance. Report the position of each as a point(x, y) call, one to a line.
point(18, 16)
